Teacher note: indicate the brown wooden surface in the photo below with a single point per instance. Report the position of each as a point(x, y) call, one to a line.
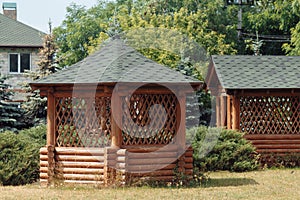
point(229, 112)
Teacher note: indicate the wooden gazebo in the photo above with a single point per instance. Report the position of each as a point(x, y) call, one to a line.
point(258, 95)
point(113, 116)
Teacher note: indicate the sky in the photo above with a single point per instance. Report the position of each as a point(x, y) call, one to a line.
point(36, 13)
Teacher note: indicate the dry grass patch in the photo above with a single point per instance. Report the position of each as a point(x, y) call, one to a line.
point(269, 184)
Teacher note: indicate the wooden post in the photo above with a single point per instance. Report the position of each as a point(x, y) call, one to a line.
point(229, 109)
point(116, 122)
point(218, 110)
point(235, 113)
point(50, 134)
point(223, 110)
point(180, 122)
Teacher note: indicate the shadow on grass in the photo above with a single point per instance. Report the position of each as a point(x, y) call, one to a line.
point(226, 182)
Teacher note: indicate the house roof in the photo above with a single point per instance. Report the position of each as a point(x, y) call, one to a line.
point(16, 34)
point(255, 72)
point(116, 62)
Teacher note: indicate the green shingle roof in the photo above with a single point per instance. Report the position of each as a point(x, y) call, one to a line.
point(257, 72)
point(16, 34)
point(116, 62)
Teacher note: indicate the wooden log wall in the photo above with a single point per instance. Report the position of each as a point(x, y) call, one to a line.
point(272, 143)
point(74, 165)
point(105, 166)
point(162, 164)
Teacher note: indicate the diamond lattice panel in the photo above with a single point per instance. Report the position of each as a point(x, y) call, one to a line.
point(82, 122)
point(149, 119)
point(270, 115)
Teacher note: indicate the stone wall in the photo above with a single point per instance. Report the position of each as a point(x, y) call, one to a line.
point(16, 79)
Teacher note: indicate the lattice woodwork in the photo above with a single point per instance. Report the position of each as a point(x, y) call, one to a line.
point(82, 122)
point(137, 125)
point(270, 115)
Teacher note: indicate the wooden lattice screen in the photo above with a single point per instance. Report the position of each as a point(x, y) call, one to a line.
point(270, 115)
point(136, 120)
point(82, 122)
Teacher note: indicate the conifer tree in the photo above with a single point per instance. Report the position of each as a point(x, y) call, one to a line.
point(35, 105)
point(9, 112)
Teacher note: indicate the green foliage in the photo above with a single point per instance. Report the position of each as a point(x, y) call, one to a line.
point(10, 113)
point(220, 149)
point(35, 106)
point(19, 156)
point(289, 160)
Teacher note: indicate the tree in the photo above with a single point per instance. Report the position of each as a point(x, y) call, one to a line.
point(10, 114)
point(77, 31)
point(35, 106)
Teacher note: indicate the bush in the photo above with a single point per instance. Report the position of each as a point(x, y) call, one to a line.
point(220, 149)
point(19, 156)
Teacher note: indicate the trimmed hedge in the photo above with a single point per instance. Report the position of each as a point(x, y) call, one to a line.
point(221, 149)
point(19, 156)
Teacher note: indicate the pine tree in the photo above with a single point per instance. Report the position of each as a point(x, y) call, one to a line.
point(35, 106)
point(9, 112)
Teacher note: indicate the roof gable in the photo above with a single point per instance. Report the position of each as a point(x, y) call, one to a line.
point(116, 62)
point(255, 72)
point(16, 34)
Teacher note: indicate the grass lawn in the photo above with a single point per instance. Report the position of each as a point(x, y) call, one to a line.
point(268, 184)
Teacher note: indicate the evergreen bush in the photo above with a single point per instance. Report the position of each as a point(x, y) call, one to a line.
point(19, 156)
point(220, 149)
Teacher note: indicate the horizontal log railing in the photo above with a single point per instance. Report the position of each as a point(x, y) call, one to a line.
point(106, 165)
point(274, 143)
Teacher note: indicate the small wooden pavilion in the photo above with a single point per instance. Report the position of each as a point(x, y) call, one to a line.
point(113, 116)
point(258, 95)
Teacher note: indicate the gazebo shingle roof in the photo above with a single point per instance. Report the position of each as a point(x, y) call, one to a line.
point(16, 34)
point(257, 72)
point(116, 62)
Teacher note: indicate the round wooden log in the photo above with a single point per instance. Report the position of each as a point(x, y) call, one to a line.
point(44, 157)
point(44, 176)
point(278, 151)
point(153, 155)
point(149, 161)
point(84, 182)
point(272, 137)
point(81, 164)
point(82, 171)
point(79, 151)
point(256, 142)
point(143, 168)
point(82, 177)
point(43, 163)
point(188, 166)
point(155, 173)
point(80, 158)
point(188, 159)
point(152, 148)
point(121, 159)
point(278, 146)
point(43, 151)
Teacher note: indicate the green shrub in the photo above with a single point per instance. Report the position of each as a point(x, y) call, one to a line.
point(220, 149)
point(19, 156)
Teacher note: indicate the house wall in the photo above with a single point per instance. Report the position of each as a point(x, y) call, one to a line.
point(16, 79)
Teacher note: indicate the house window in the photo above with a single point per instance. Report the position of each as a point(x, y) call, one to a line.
point(19, 62)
